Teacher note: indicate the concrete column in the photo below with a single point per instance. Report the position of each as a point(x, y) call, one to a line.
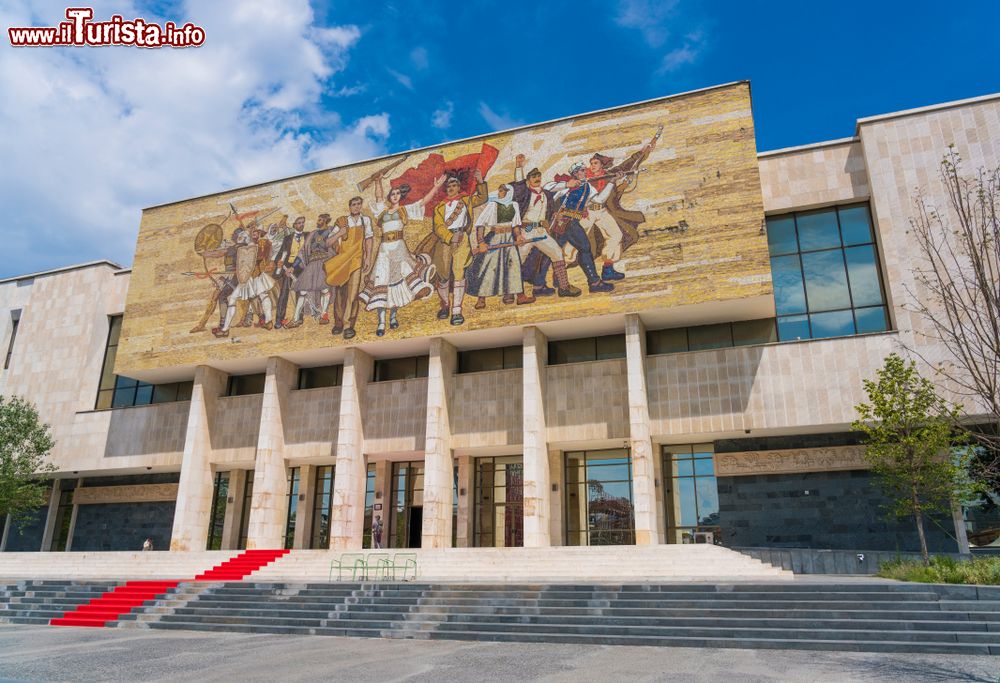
point(234, 510)
point(348, 513)
point(466, 483)
point(194, 493)
point(53, 513)
point(269, 507)
point(307, 499)
point(439, 477)
point(644, 492)
point(537, 478)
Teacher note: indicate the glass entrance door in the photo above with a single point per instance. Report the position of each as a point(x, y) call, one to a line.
point(692, 494)
point(599, 509)
point(408, 502)
point(499, 506)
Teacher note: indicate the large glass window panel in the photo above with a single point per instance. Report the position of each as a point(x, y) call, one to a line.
point(786, 275)
point(793, 327)
point(754, 332)
point(855, 224)
point(513, 357)
point(480, 360)
point(610, 346)
point(666, 341)
point(164, 393)
point(124, 396)
point(244, 385)
point(143, 394)
point(826, 281)
point(217, 521)
point(687, 505)
point(572, 351)
point(599, 509)
point(832, 324)
point(322, 499)
point(869, 320)
point(710, 337)
point(316, 378)
point(862, 268)
point(781, 235)
point(817, 229)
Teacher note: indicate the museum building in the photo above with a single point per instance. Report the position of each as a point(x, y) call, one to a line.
point(682, 410)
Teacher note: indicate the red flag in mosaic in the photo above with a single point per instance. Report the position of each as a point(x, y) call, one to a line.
point(421, 177)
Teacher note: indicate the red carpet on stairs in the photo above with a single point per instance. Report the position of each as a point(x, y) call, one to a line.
point(123, 599)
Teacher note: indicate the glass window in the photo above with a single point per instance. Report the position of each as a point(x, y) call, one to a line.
point(842, 292)
point(793, 327)
point(710, 336)
point(781, 235)
point(748, 332)
point(245, 510)
point(692, 494)
point(826, 280)
point(855, 224)
point(498, 518)
point(786, 275)
point(15, 320)
point(245, 385)
point(322, 507)
point(366, 541)
point(293, 506)
point(599, 509)
point(315, 378)
point(666, 341)
point(513, 357)
point(832, 324)
point(869, 320)
point(217, 521)
point(817, 229)
point(862, 268)
point(609, 346)
point(572, 351)
point(482, 360)
point(164, 393)
point(389, 369)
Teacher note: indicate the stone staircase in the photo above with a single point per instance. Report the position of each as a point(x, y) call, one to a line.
point(623, 563)
point(860, 616)
point(110, 565)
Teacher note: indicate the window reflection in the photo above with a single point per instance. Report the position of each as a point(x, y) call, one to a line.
point(838, 287)
point(599, 508)
point(692, 495)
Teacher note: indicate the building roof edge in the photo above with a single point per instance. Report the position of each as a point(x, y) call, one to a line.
point(64, 269)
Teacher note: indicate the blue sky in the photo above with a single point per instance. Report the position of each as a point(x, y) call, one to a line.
point(91, 136)
point(814, 67)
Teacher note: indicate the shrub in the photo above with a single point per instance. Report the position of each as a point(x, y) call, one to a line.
point(983, 571)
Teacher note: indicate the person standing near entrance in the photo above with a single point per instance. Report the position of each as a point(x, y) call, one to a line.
point(377, 532)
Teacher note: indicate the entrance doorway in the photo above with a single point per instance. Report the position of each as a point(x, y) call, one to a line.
point(408, 503)
point(599, 509)
point(692, 494)
point(499, 502)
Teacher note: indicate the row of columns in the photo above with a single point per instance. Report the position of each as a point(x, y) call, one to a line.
point(542, 467)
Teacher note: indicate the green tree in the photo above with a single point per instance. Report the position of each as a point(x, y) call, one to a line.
point(25, 443)
point(919, 458)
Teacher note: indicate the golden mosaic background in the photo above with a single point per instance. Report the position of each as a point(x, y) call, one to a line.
point(703, 172)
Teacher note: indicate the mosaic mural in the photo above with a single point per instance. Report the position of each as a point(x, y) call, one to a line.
point(646, 206)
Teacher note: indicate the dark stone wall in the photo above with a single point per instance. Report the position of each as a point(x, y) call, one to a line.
point(836, 510)
point(123, 526)
point(28, 538)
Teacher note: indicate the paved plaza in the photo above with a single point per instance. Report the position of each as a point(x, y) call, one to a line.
point(42, 653)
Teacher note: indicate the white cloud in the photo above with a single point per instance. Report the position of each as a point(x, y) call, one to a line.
point(649, 17)
point(497, 121)
point(418, 56)
point(687, 53)
point(92, 135)
point(441, 118)
point(403, 79)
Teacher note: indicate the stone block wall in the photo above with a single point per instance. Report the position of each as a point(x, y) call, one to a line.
point(486, 409)
point(587, 401)
point(123, 526)
point(311, 419)
point(29, 537)
point(395, 415)
point(836, 510)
